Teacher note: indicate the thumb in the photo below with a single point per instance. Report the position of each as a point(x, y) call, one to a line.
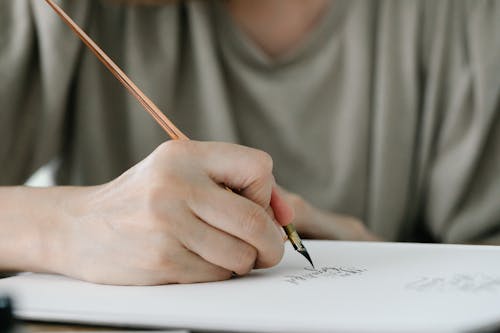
point(283, 211)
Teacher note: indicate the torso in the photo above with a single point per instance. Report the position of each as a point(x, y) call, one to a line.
point(350, 115)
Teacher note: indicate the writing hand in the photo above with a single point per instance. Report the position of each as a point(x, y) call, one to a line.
point(170, 220)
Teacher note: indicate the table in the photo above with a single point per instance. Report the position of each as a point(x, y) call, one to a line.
point(35, 327)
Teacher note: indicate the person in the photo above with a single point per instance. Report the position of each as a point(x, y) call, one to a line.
point(355, 120)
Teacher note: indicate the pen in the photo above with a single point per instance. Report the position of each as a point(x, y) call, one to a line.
point(6, 316)
point(152, 109)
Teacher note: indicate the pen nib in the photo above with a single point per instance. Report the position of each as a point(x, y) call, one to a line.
point(304, 252)
point(294, 238)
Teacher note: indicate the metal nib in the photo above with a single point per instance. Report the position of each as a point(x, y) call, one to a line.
point(306, 254)
point(294, 238)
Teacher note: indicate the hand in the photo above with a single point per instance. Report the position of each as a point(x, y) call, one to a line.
point(315, 223)
point(169, 219)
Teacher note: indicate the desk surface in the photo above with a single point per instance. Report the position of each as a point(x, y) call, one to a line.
point(36, 327)
point(33, 327)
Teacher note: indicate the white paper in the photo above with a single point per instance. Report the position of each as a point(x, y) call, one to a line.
point(357, 287)
point(117, 331)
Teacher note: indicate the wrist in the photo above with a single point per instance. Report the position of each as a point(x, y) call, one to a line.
point(59, 227)
point(20, 225)
point(51, 228)
point(34, 222)
point(45, 221)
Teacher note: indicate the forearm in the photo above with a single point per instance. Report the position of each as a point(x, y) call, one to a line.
point(315, 223)
point(30, 227)
point(341, 227)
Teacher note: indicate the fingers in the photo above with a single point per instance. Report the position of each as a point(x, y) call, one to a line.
point(196, 169)
point(242, 218)
point(194, 269)
point(247, 170)
point(218, 247)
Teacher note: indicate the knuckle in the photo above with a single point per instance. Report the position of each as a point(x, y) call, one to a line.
point(174, 168)
point(171, 147)
point(163, 162)
point(254, 221)
point(265, 162)
point(245, 259)
point(273, 257)
point(174, 151)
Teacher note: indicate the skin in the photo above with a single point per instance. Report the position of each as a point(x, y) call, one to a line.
point(277, 26)
point(167, 219)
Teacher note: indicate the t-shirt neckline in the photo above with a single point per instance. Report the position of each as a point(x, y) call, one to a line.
point(229, 31)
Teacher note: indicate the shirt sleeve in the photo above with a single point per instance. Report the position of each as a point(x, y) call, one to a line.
point(37, 61)
point(462, 186)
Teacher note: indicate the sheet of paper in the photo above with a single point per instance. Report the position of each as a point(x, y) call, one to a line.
point(358, 287)
point(117, 331)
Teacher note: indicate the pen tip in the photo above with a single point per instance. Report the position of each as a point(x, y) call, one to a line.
point(307, 256)
point(294, 238)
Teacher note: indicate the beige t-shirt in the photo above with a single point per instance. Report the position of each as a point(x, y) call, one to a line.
point(389, 111)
